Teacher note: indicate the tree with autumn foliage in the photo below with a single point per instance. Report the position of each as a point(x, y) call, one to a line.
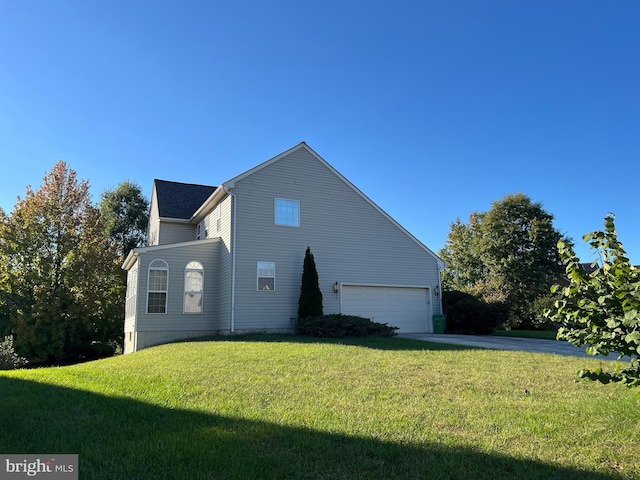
point(56, 271)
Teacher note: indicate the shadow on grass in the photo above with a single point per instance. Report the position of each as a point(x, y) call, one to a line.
point(378, 343)
point(118, 438)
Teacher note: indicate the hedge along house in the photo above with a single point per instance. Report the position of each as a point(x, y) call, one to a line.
point(229, 259)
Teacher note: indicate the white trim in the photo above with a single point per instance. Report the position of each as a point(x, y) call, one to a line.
point(214, 199)
point(166, 291)
point(174, 220)
point(258, 277)
point(231, 183)
point(135, 253)
point(199, 269)
point(275, 212)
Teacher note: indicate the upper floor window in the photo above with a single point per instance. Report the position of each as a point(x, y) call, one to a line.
point(157, 287)
point(218, 218)
point(287, 212)
point(266, 275)
point(193, 280)
point(198, 231)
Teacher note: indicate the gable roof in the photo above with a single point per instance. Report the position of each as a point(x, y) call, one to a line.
point(180, 200)
point(303, 145)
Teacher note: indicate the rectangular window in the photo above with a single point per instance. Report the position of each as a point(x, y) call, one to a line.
point(157, 287)
point(193, 292)
point(287, 212)
point(157, 303)
point(218, 219)
point(266, 276)
point(193, 279)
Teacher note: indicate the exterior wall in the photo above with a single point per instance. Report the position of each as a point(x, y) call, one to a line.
point(150, 329)
point(175, 232)
point(224, 234)
point(351, 240)
point(153, 229)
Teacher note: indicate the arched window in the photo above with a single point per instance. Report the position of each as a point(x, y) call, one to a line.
point(157, 287)
point(193, 280)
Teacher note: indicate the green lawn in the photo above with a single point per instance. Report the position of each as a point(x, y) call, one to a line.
point(288, 407)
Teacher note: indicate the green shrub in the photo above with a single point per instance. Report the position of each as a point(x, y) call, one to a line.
point(339, 325)
point(310, 302)
point(9, 359)
point(468, 315)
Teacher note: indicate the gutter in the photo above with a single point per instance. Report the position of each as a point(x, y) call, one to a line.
point(131, 259)
point(233, 259)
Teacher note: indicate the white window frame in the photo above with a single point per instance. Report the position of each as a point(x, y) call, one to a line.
point(198, 231)
point(163, 266)
point(193, 266)
point(282, 218)
point(262, 266)
point(218, 219)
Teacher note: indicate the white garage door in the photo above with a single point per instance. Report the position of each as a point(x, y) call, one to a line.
point(406, 308)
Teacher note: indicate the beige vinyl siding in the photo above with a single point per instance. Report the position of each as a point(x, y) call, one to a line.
point(177, 257)
point(176, 232)
point(224, 290)
point(351, 240)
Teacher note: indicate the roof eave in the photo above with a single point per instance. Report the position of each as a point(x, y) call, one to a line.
point(213, 199)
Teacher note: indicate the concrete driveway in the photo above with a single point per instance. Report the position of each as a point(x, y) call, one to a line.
point(508, 343)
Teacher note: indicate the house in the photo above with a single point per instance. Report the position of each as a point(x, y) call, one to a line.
point(228, 259)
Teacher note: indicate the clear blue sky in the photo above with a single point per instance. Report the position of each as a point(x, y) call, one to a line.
point(433, 109)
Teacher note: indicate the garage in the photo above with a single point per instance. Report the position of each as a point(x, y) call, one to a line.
point(404, 307)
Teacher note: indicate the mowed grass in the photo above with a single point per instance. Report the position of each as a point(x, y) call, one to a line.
point(289, 407)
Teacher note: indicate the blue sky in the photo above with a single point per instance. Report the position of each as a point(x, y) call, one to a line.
point(433, 109)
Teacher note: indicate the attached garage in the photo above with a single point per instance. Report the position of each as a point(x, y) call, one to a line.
point(405, 307)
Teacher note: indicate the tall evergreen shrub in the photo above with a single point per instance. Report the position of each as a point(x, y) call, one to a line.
point(310, 303)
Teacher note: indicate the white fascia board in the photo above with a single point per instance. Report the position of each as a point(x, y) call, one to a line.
point(209, 204)
point(439, 261)
point(174, 220)
point(231, 184)
point(135, 253)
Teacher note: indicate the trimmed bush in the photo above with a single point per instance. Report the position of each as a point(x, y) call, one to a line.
point(468, 315)
point(9, 359)
point(339, 325)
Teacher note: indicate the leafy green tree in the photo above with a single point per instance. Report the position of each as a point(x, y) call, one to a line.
point(125, 211)
point(518, 246)
point(508, 254)
point(464, 266)
point(601, 309)
point(55, 267)
point(310, 303)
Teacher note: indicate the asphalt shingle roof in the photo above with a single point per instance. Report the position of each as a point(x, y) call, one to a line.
point(180, 200)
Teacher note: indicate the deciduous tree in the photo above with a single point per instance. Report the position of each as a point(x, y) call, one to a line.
point(125, 211)
point(601, 309)
point(56, 267)
point(508, 254)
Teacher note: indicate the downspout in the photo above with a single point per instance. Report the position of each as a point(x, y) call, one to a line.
point(440, 286)
point(233, 258)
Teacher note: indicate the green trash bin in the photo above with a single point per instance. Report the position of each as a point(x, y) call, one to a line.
point(439, 323)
